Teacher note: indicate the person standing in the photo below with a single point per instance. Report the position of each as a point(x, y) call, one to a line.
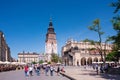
point(35, 69)
point(26, 71)
point(51, 70)
point(31, 70)
point(38, 70)
point(96, 68)
point(46, 70)
point(58, 70)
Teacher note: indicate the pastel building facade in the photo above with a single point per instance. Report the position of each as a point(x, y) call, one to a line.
point(83, 53)
point(28, 57)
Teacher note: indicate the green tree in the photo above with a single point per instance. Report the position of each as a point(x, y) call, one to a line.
point(112, 56)
point(54, 57)
point(91, 41)
point(116, 5)
point(41, 61)
point(116, 26)
point(34, 62)
point(97, 28)
point(49, 62)
point(96, 42)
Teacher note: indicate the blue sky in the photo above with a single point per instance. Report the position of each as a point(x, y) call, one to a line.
point(25, 22)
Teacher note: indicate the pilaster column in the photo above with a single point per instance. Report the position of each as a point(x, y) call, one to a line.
point(6, 54)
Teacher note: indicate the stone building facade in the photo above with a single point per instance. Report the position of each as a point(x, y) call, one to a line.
point(82, 53)
point(51, 42)
point(5, 54)
point(28, 57)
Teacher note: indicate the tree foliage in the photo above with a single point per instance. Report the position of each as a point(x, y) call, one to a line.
point(115, 38)
point(34, 62)
point(41, 61)
point(91, 41)
point(116, 23)
point(112, 56)
point(54, 57)
point(49, 62)
point(97, 28)
point(116, 5)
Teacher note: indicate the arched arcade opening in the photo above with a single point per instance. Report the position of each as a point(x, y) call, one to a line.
point(83, 61)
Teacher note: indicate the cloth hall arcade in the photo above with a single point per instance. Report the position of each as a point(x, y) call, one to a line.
point(79, 53)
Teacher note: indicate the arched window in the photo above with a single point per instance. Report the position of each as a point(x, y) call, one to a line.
point(89, 61)
point(83, 61)
point(75, 48)
point(95, 59)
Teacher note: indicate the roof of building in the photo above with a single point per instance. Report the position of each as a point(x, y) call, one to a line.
point(28, 53)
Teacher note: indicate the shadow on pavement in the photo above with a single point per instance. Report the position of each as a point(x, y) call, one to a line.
point(103, 75)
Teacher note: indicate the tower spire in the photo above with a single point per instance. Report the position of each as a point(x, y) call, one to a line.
point(51, 42)
point(50, 24)
point(50, 28)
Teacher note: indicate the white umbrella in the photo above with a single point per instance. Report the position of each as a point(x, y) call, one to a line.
point(110, 62)
point(22, 63)
point(14, 63)
point(44, 63)
point(1, 62)
point(94, 62)
point(100, 62)
point(97, 62)
point(6, 62)
point(58, 63)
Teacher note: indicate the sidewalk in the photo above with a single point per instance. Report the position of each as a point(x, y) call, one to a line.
point(81, 73)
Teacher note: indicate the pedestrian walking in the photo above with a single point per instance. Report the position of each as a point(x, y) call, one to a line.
point(38, 70)
point(46, 70)
point(101, 68)
point(96, 68)
point(35, 69)
point(58, 70)
point(26, 71)
point(31, 71)
point(51, 70)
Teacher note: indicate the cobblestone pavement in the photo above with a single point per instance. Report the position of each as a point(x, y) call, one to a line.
point(19, 75)
point(87, 73)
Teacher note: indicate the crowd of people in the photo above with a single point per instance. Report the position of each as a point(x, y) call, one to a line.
point(7, 67)
point(38, 69)
point(104, 68)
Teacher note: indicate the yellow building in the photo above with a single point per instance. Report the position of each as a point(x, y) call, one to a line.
point(83, 53)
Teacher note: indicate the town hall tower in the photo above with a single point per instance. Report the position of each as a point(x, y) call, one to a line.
point(51, 42)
